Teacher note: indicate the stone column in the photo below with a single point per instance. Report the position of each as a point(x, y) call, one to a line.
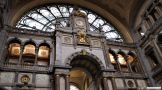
point(58, 48)
point(105, 52)
point(36, 55)
point(118, 64)
point(144, 29)
point(51, 53)
point(128, 64)
point(146, 25)
point(157, 50)
point(113, 83)
point(57, 82)
point(151, 19)
point(108, 58)
point(51, 58)
point(157, 14)
point(105, 84)
point(21, 53)
point(158, 10)
point(67, 82)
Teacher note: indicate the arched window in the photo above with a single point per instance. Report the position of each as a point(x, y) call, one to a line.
point(113, 57)
point(29, 49)
point(133, 62)
point(44, 19)
point(14, 52)
point(43, 54)
point(130, 58)
point(28, 53)
point(122, 61)
point(74, 87)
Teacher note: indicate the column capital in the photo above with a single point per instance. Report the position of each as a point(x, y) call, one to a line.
point(21, 46)
point(105, 78)
point(57, 75)
point(67, 76)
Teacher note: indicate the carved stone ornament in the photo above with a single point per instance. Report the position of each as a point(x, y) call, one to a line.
point(79, 13)
point(84, 52)
point(25, 79)
point(81, 37)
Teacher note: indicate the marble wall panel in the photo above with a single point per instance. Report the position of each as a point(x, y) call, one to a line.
point(119, 83)
point(7, 77)
point(141, 83)
point(42, 80)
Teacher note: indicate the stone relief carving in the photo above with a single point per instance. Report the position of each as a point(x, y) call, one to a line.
point(67, 39)
point(82, 37)
point(96, 43)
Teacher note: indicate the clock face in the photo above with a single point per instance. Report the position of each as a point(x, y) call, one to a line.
point(79, 23)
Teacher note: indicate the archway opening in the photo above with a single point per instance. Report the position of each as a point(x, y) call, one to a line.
point(85, 73)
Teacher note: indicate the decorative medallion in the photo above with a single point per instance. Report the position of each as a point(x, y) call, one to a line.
point(25, 79)
point(130, 83)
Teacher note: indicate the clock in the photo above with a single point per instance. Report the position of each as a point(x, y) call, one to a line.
point(79, 23)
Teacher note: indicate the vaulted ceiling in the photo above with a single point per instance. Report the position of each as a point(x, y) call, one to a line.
point(121, 13)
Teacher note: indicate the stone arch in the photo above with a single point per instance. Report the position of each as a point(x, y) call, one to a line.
point(14, 39)
point(45, 43)
point(30, 41)
point(113, 53)
point(132, 54)
point(122, 53)
point(83, 52)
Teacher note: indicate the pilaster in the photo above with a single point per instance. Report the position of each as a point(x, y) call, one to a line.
point(3, 39)
point(58, 48)
point(105, 84)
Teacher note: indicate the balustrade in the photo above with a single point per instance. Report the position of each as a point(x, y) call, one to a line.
point(25, 67)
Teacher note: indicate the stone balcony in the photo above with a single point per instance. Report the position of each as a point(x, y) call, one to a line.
point(25, 67)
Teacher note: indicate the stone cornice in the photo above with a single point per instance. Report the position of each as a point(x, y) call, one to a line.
point(28, 32)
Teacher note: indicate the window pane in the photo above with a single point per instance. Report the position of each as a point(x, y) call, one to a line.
point(44, 19)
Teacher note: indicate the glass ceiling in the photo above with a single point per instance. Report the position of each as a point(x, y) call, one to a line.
point(44, 19)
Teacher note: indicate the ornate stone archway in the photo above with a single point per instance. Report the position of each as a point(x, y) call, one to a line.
point(84, 53)
point(87, 63)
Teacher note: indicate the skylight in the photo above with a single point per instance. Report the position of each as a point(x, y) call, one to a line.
point(44, 19)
